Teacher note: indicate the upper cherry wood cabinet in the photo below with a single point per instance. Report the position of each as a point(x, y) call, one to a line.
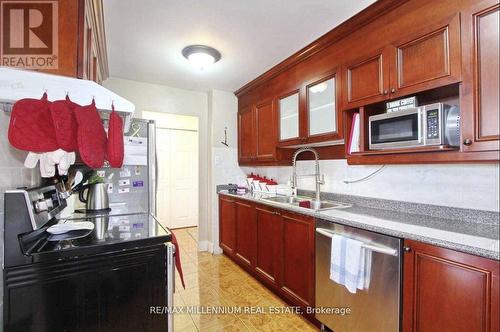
point(266, 128)
point(311, 114)
point(420, 61)
point(367, 79)
point(246, 135)
point(257, 133)
point(445, 290)
point(324, 120)
point(82, 43)
point(444, 51)
point(480, 52)
point(288, 108)
point(427, 59)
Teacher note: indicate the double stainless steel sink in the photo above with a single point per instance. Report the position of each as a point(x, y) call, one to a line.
point(306, 202)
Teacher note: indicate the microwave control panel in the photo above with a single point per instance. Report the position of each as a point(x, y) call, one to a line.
point(433, 124)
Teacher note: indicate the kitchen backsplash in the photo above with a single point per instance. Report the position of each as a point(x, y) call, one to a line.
point(463, 186)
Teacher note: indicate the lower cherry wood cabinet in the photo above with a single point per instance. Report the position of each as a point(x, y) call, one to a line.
point(446, 290)
point(246, 233)
point(275, 246)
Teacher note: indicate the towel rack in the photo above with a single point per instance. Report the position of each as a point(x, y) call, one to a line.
point(379, 249)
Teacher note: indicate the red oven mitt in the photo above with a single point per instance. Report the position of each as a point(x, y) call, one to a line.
point(91, 136)
point(31, 127)
point(114, 149)
point(63, 118)
point(178, 265)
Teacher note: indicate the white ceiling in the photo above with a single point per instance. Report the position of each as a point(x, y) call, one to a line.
point(145, 38)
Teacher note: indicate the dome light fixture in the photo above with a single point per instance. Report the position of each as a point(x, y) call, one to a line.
point(201, 56)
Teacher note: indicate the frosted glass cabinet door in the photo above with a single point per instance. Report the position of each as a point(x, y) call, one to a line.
point(322, 108)
point(289, 117)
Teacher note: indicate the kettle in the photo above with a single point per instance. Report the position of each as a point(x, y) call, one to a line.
point(97, 197)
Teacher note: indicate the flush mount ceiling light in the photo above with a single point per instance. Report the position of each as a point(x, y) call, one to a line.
point(201, 56)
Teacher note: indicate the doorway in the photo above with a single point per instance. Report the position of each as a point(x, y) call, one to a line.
point(177, 162)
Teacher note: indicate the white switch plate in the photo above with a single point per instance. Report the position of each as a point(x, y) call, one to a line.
point(110, 188)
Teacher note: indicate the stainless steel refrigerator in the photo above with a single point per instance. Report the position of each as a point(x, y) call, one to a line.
point(132, 188)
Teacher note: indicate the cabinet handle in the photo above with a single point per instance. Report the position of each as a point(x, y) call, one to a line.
point(406, 249)
point(467, 141)
point(393, 90)
point(277, 213)
point(385, 92)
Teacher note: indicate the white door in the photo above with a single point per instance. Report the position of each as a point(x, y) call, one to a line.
point(177, 196)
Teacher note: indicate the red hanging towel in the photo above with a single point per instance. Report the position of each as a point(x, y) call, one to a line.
point(91, 136)
point(62, 112)
point(178, 264)
point(31, 127)
point(114, 149)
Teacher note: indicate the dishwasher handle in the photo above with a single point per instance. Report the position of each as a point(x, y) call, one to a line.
point(375, 248)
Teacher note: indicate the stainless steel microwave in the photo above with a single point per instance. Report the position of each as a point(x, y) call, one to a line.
point(435, 124)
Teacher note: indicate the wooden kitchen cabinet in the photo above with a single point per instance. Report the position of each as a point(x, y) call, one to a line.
point(227, 222)
point(81, 40)
point(366, 80)
point(257, 133)
point(297, 242)
point(247, 138)
point(275, 246)
point(246, 233)
point(446, 290)
point(266, 131)
point(480, 54)
point(422, 60)
point(427, 59)
point(269, 228)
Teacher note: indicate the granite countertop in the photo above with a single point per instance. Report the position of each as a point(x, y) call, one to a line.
point(470, 231)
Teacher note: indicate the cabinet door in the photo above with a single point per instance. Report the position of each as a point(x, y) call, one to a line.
point(297, 281)
point(288, 114)
point(268, 244)
point(367, 79)
point(323, 115)
point(227, 224)
point(481, 106)
point(246, 135)
point(445, 290)
point(246, 233)
point(265, 119)
point(428, 59)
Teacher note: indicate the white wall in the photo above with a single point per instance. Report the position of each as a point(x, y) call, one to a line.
point(160, 98)
point(464, 186)
point(223, 107)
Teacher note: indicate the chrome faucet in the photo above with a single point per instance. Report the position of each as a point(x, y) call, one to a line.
point(320, 179)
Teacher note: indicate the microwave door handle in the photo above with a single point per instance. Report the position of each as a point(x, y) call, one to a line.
point(420, 125)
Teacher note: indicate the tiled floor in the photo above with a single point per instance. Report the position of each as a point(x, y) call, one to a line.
point(215, 281)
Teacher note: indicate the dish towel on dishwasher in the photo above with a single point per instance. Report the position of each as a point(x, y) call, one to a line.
point(350, 263)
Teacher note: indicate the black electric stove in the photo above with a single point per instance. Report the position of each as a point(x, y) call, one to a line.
point(106, 280)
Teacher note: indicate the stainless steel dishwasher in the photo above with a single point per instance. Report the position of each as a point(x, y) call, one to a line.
point(374, 309)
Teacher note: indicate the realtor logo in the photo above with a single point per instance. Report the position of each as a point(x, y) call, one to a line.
point(29, 34)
